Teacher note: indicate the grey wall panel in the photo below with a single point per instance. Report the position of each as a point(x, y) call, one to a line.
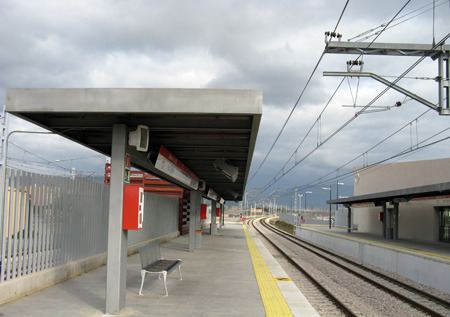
point(160, 218)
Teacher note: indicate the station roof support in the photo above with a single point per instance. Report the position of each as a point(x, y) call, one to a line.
point(439, 51)
point(193, 127)
point(399, 195)
point(198, 126)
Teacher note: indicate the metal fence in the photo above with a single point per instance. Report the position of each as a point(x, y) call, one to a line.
point(50, 220)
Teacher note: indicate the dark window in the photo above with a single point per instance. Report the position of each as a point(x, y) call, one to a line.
point(444, 224)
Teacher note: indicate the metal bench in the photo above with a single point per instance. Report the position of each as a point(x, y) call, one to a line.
point(153, 263)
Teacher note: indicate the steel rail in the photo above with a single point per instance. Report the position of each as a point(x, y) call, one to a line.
point(340, 304)
point(310, 247)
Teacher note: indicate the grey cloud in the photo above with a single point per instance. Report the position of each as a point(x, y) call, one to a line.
point(263, 44)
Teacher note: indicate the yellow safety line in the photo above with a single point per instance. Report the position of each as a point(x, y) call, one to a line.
point(273, 300)
point(381, 244)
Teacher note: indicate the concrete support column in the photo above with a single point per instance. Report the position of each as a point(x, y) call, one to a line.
point(384, 220)
point(195, 234)
point(198, 223)
point(116, 266)
point(192, 207)
point(213, 229)
point(221, 215)
point(390, 223)
point(349, 219)
point(395, 221)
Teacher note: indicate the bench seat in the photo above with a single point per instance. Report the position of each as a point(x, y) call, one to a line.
point(162, 265)
point(153, 263)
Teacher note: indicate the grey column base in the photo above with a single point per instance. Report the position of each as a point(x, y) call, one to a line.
point(198, 240)
point(213, 229)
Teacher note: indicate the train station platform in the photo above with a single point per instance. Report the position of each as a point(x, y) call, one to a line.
point(232, 274)
point(427, 263)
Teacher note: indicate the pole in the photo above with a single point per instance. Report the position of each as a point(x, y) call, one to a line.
point(329, 220)
point(337, 194)
point(116, 264)
point(349, 219)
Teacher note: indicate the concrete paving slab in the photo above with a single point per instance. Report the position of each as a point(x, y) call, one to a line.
point(218, 280)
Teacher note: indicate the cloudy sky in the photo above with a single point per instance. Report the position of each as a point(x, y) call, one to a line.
point(267, 45)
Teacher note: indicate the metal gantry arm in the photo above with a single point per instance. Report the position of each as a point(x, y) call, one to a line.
point(387, 83)
point(439, 52)
point(388, 49)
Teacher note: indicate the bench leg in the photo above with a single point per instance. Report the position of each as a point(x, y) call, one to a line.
point(179, 271)
point(142, 281)
point(164, 273)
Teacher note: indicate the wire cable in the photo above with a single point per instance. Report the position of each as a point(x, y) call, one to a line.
point(374, 146)
point(404, 152)
point(360, 37)
point(281, 173)
point(298, 99)
point(276, 179)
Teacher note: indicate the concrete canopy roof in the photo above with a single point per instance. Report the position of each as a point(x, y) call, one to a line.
point(404, 194)
point(197, 125)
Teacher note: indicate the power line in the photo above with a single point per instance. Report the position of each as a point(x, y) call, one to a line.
point(276, 179)
point(281, 172)
point(399, 154)
point(374, 146)
point(373, 165)
point(360, 37)
point(299, 98)
point(38, 156)
point(81, 158)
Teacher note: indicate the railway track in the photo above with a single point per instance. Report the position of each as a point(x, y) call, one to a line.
point(355, 289)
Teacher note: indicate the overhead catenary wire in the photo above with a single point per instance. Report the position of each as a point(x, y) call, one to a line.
point(404, 152)
point(299, 98)
point(276, 179)
point(375, 145)
point(282, 172)
point(38, 156)
point(367, 34)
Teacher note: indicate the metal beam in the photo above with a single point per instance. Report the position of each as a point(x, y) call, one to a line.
point(391, 49)
point(387, 83)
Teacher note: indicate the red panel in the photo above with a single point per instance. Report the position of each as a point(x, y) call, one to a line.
point(203, 211)
point(107, 176)
point(131, 208)
point(217, 212)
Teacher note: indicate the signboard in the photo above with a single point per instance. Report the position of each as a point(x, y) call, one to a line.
point(212, 194)
point(203, 211)
point(169, 164)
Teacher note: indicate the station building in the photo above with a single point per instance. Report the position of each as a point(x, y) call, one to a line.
point(421, 193)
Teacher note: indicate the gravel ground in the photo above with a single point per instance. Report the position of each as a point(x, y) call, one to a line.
point(362, 296)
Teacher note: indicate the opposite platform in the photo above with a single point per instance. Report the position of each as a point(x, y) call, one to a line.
point(421, 262)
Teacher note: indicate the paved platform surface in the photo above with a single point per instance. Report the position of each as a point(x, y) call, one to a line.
point(233, 274)
point(439, 250)
point(218, 280)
